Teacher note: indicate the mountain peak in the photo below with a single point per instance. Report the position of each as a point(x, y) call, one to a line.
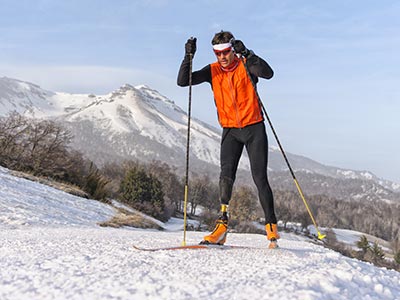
point(21, 96)
point(11, 84)
point(143, 87)
point(127, 87)
point(153, 94)
point(144, 90)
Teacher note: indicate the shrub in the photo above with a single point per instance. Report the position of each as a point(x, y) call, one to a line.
point(143, 192)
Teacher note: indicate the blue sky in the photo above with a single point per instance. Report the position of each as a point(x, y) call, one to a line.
point(334, 96)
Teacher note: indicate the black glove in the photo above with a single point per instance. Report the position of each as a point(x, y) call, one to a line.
point(239, 47)
point(190, 46)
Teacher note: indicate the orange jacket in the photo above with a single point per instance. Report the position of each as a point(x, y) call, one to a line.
point(235, 98)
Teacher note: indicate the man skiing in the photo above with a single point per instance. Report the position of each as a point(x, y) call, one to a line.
point(240, 115)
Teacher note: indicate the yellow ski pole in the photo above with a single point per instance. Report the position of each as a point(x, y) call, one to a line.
point(320, 235)
point(187, 151)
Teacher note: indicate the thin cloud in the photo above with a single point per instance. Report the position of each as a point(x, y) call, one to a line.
point(81, 79)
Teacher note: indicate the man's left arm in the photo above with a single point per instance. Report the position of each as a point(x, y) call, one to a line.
point(255, 64)
point(258, 67)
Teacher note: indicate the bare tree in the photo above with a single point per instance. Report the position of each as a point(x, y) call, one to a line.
point(13, 130)
point(38, 146)
point(46, 147)
point(244, 205)
point(199, 192)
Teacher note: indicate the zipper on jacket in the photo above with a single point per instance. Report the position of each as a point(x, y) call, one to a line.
point(234, 102)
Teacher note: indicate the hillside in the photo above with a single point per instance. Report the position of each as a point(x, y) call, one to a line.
point(139, 123)
point(51, 248)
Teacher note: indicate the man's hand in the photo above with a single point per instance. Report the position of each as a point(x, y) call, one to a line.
point(239, 47)
point(190, 46)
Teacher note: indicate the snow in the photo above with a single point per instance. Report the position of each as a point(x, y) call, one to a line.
point(52, 248)
point(367, 175)
point(347, 173)
point(351, 237)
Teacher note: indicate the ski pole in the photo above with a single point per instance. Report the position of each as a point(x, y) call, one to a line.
point(320, 235)
point(187, 151)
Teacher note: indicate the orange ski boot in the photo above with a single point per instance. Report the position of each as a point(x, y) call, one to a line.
point(272, 235)
point(218, 236)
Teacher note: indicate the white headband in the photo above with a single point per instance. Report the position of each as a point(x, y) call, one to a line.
point(220, 47)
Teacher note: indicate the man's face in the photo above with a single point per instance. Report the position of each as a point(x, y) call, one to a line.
point(225, 57)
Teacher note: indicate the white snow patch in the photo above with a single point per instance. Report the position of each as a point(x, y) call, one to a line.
point(51, 248)
point(348, 173)
point(367, 175)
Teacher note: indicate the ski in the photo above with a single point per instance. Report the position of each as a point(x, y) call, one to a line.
point(195, 247)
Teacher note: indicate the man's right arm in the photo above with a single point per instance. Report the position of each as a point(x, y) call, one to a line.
point(203, 75)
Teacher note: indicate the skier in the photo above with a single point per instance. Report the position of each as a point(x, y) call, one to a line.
point(240, 115)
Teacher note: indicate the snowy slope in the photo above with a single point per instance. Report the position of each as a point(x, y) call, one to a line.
point(51, 248)
point(23, 97)
point(24, 203)
point(142, 111)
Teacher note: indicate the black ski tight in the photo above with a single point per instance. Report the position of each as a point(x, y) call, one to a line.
point(254, 138)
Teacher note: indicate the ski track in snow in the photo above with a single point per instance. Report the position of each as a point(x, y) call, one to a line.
point(51, 248)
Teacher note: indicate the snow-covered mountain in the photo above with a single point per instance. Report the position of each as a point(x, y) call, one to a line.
point(129, 123)
point(141, 124)
point(52, 248)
